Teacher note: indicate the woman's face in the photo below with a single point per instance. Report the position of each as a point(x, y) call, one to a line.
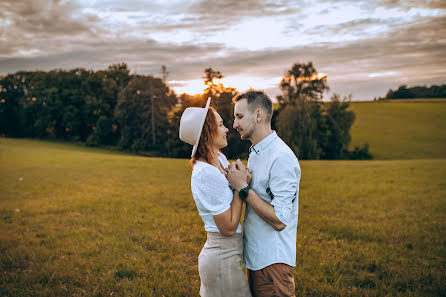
point(220, 140)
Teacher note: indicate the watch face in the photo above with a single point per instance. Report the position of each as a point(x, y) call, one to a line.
point(244, 192)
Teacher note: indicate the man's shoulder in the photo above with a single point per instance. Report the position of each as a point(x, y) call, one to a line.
point(282, 150)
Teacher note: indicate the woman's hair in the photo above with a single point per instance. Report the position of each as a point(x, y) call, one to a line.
point(210, 128)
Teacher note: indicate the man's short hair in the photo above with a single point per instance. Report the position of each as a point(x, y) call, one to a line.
point(257, 99)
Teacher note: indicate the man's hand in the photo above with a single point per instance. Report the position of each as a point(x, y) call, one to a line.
point(238, 175)
point(242, 168)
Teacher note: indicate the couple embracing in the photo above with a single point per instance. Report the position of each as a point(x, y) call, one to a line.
point(270, 188)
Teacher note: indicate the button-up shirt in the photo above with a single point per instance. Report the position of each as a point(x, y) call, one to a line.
point(275, 174)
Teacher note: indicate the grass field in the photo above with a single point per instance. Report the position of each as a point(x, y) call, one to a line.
point(401, 130)
point(86, 222)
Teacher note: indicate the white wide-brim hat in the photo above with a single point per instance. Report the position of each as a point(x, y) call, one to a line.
point(191, 125)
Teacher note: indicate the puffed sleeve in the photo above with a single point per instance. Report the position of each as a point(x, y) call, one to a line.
point(223, 160)
point(212, 187)
point(284, 185)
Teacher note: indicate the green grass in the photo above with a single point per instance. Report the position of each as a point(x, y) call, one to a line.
point(401, 130)
point(87, 222)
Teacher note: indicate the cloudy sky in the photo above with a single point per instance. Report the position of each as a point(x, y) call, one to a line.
point(364, 47)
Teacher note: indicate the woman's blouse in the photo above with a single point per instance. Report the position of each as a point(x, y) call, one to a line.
point(211, 192)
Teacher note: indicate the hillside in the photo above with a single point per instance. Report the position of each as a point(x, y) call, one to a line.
point(401, 130)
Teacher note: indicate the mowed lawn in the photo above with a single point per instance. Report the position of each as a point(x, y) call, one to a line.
point(409, 129)
point(76, 221)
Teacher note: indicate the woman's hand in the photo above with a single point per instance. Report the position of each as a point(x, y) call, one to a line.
point(226, 172)
point(238, 175)
point(244, 168)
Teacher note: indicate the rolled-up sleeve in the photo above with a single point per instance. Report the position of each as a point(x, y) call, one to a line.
point(284, 185)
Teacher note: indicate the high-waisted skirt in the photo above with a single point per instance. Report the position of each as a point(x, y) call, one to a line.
point(219, 266)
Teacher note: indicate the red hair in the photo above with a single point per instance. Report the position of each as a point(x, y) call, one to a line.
point(210, 128)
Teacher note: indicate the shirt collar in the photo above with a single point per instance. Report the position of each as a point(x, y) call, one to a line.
point(262, 145)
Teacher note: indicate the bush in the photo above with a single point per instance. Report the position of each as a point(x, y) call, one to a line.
point(360, 153)
point(91, 140)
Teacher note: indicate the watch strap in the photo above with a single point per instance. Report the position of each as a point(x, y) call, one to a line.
point(243, 193)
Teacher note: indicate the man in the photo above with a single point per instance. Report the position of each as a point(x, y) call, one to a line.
point(270, 225)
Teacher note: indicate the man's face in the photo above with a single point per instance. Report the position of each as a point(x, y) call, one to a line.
point(244, 120)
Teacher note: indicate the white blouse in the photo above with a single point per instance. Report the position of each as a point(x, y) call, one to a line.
point(211, 192)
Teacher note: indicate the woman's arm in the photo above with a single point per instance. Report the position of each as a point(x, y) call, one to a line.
point(228, 221)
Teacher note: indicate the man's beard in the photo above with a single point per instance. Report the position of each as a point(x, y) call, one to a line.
point(248, 134)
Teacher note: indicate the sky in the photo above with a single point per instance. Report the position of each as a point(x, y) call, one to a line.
point(364, 47)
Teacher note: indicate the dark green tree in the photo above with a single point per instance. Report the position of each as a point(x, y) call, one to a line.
point(302, 81)
point(11, 99)
point(59, 104)
point(298, 127)
point(403, 92)
point(312, 128)
point(104, 132)
point(142, 114)
point(338, 121)
point(299, 118)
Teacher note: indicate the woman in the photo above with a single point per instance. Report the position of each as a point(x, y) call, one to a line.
point(219, 206)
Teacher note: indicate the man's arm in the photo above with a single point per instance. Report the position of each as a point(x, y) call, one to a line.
point(237, 178)
point(264, 210)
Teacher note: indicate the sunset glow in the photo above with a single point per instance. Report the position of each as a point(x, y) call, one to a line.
point(314, 77)
point(367, 47)
point(241, 83)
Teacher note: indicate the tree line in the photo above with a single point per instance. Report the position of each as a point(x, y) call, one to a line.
point(141, 113)
point(403, 92)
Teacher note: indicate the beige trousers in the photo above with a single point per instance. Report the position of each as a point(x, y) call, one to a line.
point(219, 267)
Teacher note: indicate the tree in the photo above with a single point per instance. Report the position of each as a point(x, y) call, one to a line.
point(119, 73)
point(403, 92)
point(338, 121)
point(299, 129)
point(164, 74)
point(145, 101)
point(314, 129)
point(11, 112)
point(103, 132)
point(209, 77)
point(299, 118)
point(60, 104)
point(302, 80)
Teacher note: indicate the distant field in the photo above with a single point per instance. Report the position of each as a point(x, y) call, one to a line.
point(401, 130)
point(434, 100)
point(87, 222)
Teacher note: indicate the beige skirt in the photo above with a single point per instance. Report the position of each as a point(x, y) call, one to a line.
point(219, 266)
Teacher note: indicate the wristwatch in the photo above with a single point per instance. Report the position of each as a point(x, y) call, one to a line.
point(243, 193)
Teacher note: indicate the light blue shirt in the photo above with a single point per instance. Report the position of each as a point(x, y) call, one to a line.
point(211, 192)
point(275, 178)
